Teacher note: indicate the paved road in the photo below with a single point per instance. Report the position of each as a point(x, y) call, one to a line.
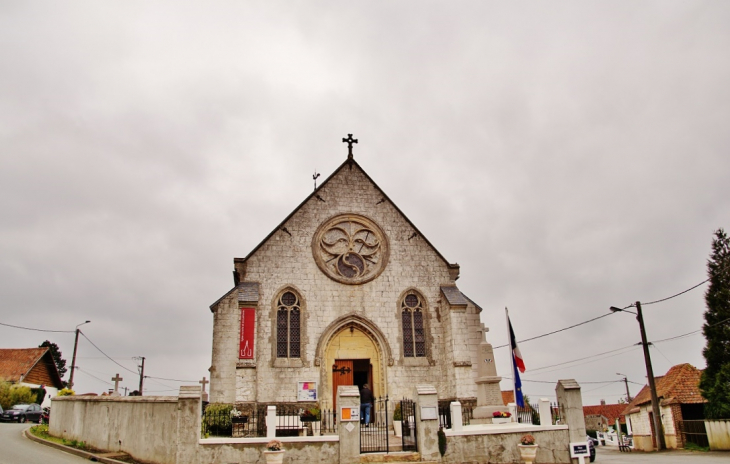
point(16, 449)
point(613, 456)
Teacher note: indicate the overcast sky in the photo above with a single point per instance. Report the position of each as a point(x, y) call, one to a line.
point(570, 156)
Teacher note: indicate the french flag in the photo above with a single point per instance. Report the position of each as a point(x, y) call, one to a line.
point(518, 366)
point(516, 355)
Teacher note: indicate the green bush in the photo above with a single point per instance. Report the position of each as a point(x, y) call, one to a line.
point(217, 417)
point(14, 394)
point(397, 414)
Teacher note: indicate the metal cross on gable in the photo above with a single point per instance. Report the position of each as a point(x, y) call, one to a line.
point(349, 141)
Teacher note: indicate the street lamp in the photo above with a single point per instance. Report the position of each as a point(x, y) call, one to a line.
point(649, 373)
point(626, 381)
point(73, 360)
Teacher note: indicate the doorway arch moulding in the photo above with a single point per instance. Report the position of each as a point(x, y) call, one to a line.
point(361, 323)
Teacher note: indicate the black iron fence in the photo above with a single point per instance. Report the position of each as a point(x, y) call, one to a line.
point(408, 425)
point(224, 420)
point(374, 435)
point(444, 408)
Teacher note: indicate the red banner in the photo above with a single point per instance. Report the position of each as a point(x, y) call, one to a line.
point(248, 325)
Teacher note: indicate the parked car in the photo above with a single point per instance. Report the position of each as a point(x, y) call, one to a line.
point(22, 413)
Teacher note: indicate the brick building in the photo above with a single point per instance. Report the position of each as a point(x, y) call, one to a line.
point(31, 367)
point(680, 400)
point(346, 290)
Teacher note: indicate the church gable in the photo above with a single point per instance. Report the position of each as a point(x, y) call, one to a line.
point(349, 194)
point(345, 283)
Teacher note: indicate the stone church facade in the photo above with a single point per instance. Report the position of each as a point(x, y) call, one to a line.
point(345, 291)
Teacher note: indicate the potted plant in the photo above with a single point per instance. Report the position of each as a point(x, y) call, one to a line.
point(397, 421)
point(501, 417)
point(310, 415)
point(528, 448)
point(237, 417)
point(274, 454)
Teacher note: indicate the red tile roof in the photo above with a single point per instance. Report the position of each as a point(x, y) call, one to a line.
point(609, 411)
point(17, 362)
point(680, 385)
point(508, 397)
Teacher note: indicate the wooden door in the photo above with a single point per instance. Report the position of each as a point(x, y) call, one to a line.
point(342, 372)
point(653, 432)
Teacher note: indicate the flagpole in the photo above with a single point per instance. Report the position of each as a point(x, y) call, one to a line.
point(511, 356)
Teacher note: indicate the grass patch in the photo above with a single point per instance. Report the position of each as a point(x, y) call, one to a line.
point(696, 447)
point(41, 431)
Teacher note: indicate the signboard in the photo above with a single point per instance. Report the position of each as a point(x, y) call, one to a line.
point(248, 327)
point(348, 414)
point(579, 449)
point(429, 413)
point(307, 391)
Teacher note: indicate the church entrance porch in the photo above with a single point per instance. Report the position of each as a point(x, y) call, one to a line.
point(351, 355)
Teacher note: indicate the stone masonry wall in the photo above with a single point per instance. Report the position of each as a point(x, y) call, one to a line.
point(286, 261)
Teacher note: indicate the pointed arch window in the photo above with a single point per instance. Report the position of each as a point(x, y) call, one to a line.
point(414, 339)
point(288, 326)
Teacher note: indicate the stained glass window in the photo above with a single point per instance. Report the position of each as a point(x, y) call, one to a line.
point(414, 338)
point(288, 326)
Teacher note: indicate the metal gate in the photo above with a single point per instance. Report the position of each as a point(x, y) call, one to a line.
point(374, 433)
point(408, 421)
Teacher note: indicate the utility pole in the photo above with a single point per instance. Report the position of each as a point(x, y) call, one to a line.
point(73, 359)
point(626, 382)
point(141, 376)
point(652, 385)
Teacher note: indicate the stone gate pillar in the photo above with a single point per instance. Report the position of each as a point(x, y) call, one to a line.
point(348, 396)
point(189, 409)
point(571, 410)
point(427, 422)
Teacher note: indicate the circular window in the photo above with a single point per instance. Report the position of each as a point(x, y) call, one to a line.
point(350, 249)
point(411, 301)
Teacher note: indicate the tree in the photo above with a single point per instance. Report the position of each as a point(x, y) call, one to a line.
point(14, 394)
point(57, 357)
point(715, 382)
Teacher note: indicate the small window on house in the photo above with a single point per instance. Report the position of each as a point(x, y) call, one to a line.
point(414, 339)
point(288, 330)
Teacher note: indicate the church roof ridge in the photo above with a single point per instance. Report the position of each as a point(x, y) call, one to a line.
point(348, 162)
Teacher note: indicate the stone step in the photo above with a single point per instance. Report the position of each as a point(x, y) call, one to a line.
point(390, 458)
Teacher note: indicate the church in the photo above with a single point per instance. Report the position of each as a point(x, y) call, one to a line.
point(345, 291)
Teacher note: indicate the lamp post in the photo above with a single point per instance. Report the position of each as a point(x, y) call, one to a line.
point(73, 359)
point(626, 382)
point(650, 374)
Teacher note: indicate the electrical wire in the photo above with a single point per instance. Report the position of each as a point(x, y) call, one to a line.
point(37, 330)
point(170, 380)
point(581, 359)
point(556, 331)
point(91, 375)
point(108, 357)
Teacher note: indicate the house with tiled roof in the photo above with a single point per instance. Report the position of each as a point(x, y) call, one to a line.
point(602, 416)
point(31, 367)
point(679, 400)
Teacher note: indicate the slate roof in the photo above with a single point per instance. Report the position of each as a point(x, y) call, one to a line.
point(16, 363)
point(248, 292)
point(609, 411)
point(680, 385)
point(454, 296)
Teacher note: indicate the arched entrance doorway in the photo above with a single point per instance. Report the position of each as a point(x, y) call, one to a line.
point(352, 351)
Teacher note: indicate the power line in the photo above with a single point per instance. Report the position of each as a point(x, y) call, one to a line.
point(675, 295)
point(170, 380)
point(91, 375)
point(581, 359)
point(555, 331)
point(108, 357)
point(37, 330)
point(599, 317)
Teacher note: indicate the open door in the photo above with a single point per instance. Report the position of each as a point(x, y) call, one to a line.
point(342, 374)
